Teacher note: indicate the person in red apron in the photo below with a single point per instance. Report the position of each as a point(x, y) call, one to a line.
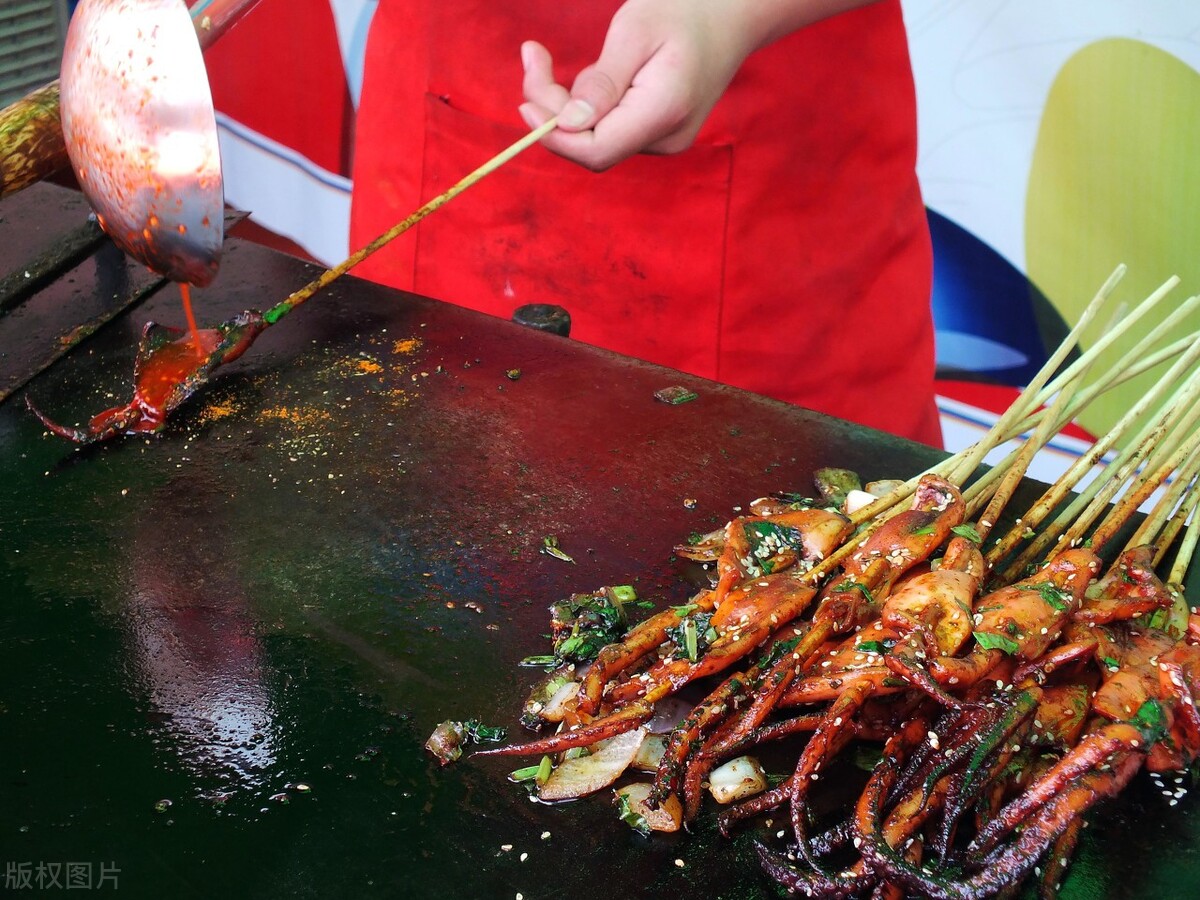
point(784, 251)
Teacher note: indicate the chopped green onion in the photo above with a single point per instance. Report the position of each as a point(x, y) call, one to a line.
point(624, 592)
point(675, 395)
point(689, 639)
point(550, 547)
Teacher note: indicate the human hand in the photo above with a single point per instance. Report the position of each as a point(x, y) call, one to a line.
point(664, 64)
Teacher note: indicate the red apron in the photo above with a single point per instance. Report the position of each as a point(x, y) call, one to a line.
point(786, 252)
point(279, 72)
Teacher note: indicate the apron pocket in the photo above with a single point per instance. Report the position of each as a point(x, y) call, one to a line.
point(635, 254)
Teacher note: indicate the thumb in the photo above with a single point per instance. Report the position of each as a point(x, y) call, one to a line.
point(599, 88)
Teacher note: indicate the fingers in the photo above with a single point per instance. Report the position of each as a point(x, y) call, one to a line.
point(544, 98)
point(601, 87)
point(629, 101)
point(540, 89)
point(597, 89)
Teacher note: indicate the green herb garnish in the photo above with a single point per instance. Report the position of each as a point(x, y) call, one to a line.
point(631, 816)
point(867, 756)
point(967, 531)
point(989, 641)
point(794, 500)
point(675, 395)
point(623, 593)
point(857, 586)
point(1151, 721)
point(767, 539)
point(777, 652)
point(928, 529)
point(1055, 596)
point(584, 623)
point(872, 647)
point(834, 484)
point(477, 732)
point(529, 773)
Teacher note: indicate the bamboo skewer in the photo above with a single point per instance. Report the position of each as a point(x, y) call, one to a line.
point(286, 305)
point(1155, 524)
point(1137, 491)
point(1035, 442)
point(1175, 524)
point(959, 467)
point(1069, 402)
point(1085, 463)
point(1091, 502)
point(1137, 360)
point(1107, 339)
point(1027, 399)
point(1126, 367)
point(1183, 558)
point(1070, 398)
point(1137, 365)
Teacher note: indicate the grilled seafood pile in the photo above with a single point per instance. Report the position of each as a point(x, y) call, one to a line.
point(1013, 682)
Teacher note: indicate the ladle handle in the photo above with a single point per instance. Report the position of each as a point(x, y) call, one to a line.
point(213, 18)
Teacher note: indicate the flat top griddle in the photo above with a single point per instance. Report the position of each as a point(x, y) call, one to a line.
point(222, 649)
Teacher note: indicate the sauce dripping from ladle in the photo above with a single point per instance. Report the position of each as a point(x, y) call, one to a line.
point(185, 291)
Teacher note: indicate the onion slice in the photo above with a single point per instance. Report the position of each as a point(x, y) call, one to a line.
point(737, 779)
point(584, 775)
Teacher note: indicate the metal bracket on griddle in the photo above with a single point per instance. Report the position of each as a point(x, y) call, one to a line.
point(72, 248)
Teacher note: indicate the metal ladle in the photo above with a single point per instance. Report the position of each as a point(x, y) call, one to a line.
point(140, 131)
